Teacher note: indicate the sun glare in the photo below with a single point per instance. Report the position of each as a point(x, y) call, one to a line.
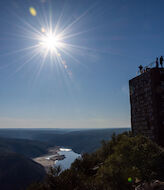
point(50, 42)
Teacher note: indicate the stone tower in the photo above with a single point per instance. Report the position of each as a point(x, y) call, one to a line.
point(147, 104)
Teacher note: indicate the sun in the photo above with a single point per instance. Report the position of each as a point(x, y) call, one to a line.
point(50, 42)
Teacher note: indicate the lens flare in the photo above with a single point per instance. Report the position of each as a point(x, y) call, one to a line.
point(32, 11)
point(43, 29)
point(129, 179)
point(51, 40)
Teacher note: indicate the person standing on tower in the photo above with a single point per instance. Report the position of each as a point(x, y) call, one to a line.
point(140, 68)
point(157, 62)
point(161, 61)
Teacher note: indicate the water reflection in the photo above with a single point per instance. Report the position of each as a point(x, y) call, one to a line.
point(70, 156)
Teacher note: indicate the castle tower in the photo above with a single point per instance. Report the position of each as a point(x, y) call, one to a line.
point(147, 104)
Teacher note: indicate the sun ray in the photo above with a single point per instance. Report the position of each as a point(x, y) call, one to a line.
point(69, 55)
point(21, 50)
point(76, 20)
point(41, 65)
point(69, 36)
point(49, 39)
point(27, 61)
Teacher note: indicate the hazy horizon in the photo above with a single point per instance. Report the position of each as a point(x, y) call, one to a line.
point(53, 128)
point(14, 123)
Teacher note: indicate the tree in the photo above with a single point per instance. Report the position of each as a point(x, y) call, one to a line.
point(119, 164)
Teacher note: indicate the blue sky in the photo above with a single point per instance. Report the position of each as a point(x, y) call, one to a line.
point(109, 40)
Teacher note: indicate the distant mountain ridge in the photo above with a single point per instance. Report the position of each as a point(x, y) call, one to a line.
point(86, 140)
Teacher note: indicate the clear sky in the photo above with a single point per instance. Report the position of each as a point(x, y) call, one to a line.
point(84, 82)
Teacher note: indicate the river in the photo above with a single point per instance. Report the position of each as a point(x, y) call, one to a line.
point(70, 156)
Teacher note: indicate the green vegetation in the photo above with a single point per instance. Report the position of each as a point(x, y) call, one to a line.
point(17, 171)
point(28, 148)
point(119, 164)
point(18, 145)
point(80, 140)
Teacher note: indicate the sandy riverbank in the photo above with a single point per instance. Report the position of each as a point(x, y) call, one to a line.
point(49, 159)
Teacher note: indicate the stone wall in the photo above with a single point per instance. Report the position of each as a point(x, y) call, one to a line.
point(142, 105)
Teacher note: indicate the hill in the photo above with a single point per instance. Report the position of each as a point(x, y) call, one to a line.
point(124, 162)
point(80, 141)
point(28, 148)
point(17, 171)
point(86, 140)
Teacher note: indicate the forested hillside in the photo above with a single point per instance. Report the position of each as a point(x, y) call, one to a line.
point(27, 148)
point(17, 171)
point(122, 163)
point(86, 140)
point(80, 141)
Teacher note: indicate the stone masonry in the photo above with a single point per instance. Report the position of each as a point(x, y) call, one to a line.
point(147, 104)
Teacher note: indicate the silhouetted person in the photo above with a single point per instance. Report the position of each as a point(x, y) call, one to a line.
point(157, 65)
point(161, 61)
point(140, 68)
